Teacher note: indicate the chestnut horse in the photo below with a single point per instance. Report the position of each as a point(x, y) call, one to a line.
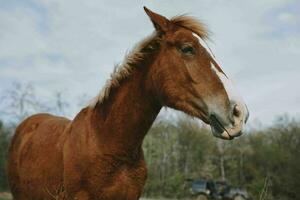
point(98, 155)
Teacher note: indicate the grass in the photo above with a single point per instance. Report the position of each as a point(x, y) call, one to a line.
point(5, 196)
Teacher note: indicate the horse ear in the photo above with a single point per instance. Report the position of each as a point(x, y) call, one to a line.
point(160, 22)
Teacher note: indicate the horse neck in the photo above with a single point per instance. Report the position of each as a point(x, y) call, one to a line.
point(122, 121)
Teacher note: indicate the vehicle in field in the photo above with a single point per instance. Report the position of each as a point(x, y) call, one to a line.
point(216, 190)
point(234, 193)
point(204, 190)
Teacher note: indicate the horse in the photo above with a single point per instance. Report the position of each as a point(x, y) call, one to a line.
point(98, 155)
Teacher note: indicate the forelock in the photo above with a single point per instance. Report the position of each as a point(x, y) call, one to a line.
point(192, 24)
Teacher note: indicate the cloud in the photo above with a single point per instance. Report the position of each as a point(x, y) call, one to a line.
point(286, 17)
point(73, 45)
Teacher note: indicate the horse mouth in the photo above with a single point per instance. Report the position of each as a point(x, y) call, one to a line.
point(218, 129)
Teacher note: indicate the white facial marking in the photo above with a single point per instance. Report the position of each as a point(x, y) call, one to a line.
point(233, 129)
point(227, 84)
point(229, 88)
point(203, 44)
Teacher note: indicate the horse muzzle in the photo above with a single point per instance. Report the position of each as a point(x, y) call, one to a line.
point(234, 128)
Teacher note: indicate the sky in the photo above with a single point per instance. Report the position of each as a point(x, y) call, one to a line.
point(72, 46)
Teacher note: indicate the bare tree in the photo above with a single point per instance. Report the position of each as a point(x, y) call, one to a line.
point(20, 101)
point(61, 105)
point(221, 151)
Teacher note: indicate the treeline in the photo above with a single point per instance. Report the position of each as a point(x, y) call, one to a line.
point(5, 133)
point(265, 161)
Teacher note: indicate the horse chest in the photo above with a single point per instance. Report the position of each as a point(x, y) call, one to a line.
point(125, 181)
point(126, 184)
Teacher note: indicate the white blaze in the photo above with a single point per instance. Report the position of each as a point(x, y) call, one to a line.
point(227, 84)
point(203, 44)
point(229, 88)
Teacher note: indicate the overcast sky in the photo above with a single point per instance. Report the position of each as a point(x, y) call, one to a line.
point(72, 45)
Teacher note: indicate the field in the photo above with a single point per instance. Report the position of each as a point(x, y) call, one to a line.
point(5, 196)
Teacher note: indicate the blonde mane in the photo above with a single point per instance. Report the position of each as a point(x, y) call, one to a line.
point(139, 52)
point(192, 24)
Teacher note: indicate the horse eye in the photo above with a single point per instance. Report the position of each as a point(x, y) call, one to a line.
point(187, 50)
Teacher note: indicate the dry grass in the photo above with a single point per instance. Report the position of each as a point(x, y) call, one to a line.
point(264, 193)
point(5, 196)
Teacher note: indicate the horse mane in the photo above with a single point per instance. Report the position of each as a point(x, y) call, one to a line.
point(138, 54)
point(192, 24)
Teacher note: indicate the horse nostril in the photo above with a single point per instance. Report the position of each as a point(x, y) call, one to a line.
point(236, 111)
